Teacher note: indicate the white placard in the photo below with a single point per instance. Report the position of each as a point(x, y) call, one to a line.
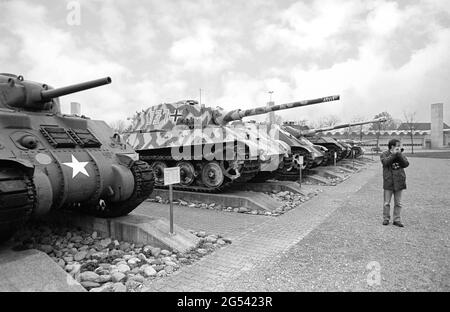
point(171, 175)
point(300, 160)
point(335, 155)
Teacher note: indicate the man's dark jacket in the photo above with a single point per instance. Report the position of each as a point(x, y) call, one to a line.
point(394, 177)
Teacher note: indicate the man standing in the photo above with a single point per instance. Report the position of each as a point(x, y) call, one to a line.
point(394, 180)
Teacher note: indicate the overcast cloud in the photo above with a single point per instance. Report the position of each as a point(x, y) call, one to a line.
point(378, 55)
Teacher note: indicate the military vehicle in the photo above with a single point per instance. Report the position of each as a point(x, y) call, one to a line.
point(212, 154)
point(276, 155)
point(356, 147)
point(342, 149)
point(51, 161)
point(300, 146)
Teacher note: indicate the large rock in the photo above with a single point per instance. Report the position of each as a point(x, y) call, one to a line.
point(105, 242)
point(117, 276)
point(125, 246)
point(119, 287)
point(171, 263)
point(155, 251)
point(116, 253)
point(104, 278)
point(89, 276)
point(149, 271)
point(165, 252)
point(211, 239)
point(46, 248)
point(201, 234)
point(89, 284)
point(123, 268)
point(80, 255)
point(202, 251)
point(99, 255)
point(133, 262)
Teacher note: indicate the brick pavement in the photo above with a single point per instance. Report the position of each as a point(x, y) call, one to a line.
point(255, 238)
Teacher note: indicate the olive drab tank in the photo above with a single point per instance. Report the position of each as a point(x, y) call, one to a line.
point(51, 161)
point(342, 149)
point(210, 152)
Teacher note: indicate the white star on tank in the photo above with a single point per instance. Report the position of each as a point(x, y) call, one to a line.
point(77, 166)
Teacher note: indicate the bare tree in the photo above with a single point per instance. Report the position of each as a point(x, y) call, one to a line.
point(118, 126)
point(410, 119)
point(327, 121)
point(390, 124)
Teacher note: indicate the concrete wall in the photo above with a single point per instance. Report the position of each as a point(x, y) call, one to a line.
point(437, 120)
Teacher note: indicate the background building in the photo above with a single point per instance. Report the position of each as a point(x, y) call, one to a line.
point(425, 135)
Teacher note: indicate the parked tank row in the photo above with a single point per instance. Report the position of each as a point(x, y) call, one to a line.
point(216, 149)
point(51, 161)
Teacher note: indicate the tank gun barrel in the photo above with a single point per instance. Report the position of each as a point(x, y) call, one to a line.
point(351, 124)
point(312, 132)
point(239, 114)
point(46, 95)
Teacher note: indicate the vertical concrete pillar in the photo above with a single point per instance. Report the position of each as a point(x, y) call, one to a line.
point(271, 114)
point(75, 108)
point(437, 124)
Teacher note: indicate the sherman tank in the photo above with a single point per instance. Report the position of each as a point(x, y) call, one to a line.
point(51, 161)
point(342, 149)
point(211, 154)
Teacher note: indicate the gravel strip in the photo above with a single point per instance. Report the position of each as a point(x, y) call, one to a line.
point(102, 264)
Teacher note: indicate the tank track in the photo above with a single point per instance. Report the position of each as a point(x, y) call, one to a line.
point(17, 200)
point(249, 171)
point(144, 183)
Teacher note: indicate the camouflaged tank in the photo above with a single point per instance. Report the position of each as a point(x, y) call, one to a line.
point(295, 147)
point(51, 161)
point(277, 154)
point(211, 154)
point(342, 149)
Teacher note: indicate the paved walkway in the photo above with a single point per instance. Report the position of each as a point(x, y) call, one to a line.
point(352, 251)
point(255, 238)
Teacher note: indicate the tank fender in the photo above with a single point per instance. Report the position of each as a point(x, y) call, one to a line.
point(123, 185)
point(25, 164)
point(127, 159)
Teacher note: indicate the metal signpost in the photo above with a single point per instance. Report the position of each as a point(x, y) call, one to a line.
point(171, 176)
point(335, 156)
point(353, 158)
point(300, 163)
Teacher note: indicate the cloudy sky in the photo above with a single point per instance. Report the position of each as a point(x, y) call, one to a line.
point(378, 55)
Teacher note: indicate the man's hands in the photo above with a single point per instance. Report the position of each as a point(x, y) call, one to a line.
point(396, 150)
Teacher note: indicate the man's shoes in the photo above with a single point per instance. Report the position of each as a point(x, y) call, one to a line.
point(398, 223)
point(385, 222)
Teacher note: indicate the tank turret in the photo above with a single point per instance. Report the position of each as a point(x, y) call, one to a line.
point(16, 93)
point(168, 115)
